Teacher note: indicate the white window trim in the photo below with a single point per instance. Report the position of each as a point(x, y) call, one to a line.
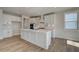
point(65, 20)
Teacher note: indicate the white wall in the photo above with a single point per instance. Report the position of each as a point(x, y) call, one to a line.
point(60, 32)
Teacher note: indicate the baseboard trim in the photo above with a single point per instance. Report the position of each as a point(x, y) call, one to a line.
point(1, 38)
point(59, 38)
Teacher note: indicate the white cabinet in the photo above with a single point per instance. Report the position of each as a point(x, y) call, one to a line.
point(16, 18)
point(10, 26)
point(26, 21)
point(12, 17)
point(6, 26)
point(49, 19)
point(41, 38)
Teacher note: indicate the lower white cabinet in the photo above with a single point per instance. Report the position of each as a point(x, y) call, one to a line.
point(37, 37)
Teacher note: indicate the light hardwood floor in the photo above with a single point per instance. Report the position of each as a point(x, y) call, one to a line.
point(16, 44)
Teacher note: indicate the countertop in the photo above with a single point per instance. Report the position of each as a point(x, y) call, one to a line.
point(37, 30)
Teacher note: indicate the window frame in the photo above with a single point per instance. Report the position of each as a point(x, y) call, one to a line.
point(76, 21)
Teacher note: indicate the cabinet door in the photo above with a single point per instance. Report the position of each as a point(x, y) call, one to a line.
point(32, 36)
point(49, 19)
point(41, 39)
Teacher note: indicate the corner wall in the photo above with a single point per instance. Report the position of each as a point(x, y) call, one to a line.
point(60, 32)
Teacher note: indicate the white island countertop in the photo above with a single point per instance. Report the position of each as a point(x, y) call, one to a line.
point(37, 30)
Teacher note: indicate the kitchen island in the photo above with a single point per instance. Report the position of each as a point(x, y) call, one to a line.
point(40, 37)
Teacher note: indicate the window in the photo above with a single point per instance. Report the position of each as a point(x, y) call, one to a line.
point(71, 21)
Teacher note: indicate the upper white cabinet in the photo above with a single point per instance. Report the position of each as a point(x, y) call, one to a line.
point(16, 18)
point(12, 18)
point(11, 25)
point(49, 19)
point(26, 21)
point(35, 20)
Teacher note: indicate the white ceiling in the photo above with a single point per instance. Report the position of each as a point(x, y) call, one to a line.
point(32, 11)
